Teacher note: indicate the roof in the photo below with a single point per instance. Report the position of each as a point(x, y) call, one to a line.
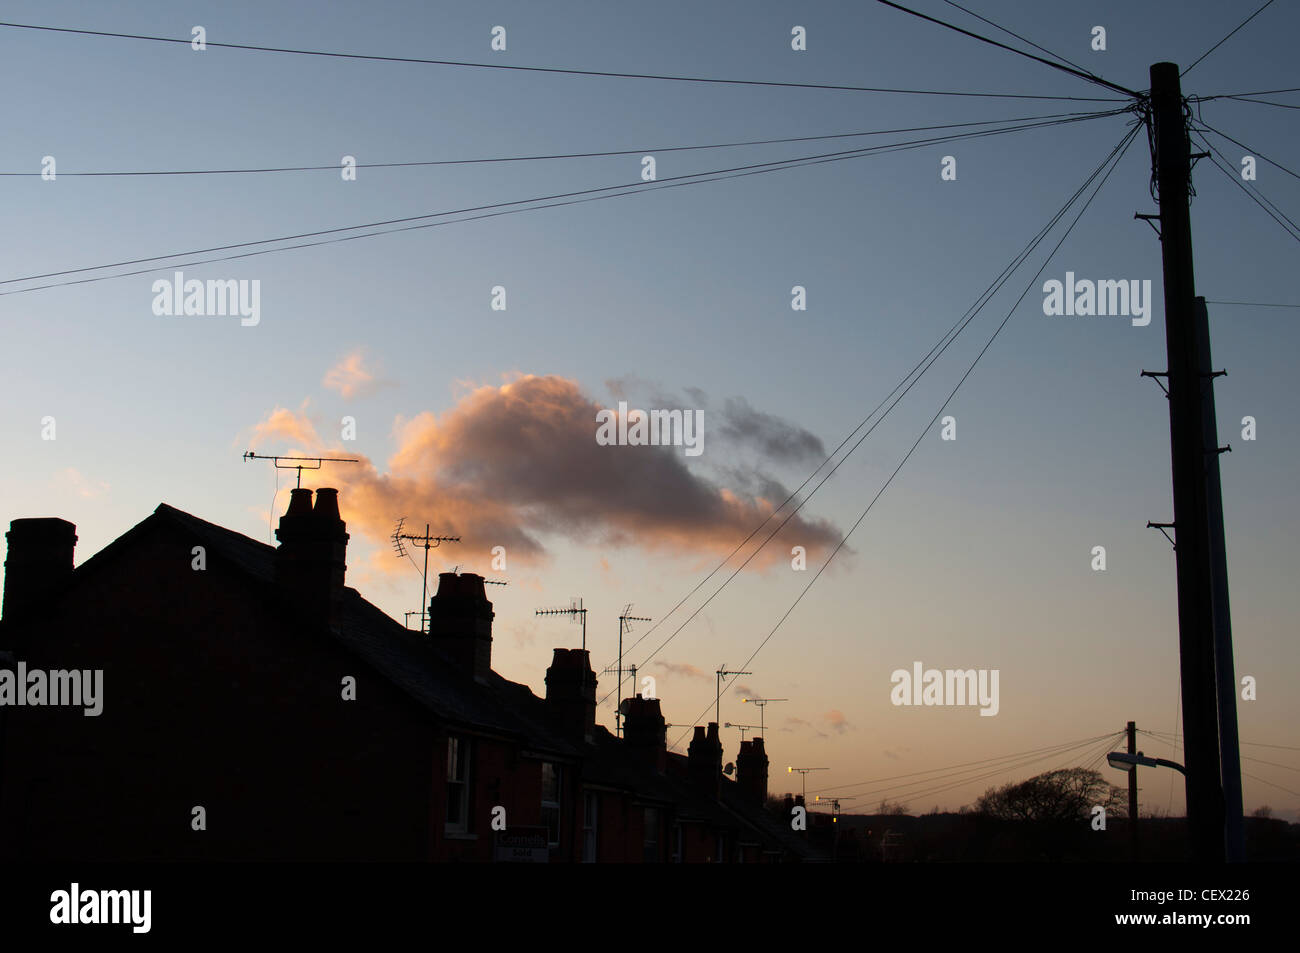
point(415, 665)
point(408, 660)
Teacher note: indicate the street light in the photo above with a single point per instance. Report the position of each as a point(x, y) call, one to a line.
point(1123, 761)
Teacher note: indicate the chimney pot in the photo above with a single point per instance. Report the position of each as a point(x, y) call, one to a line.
point(311, 561)
point(38, 562)
point(460, 622)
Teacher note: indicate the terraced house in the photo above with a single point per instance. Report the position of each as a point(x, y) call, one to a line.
point(253, 707)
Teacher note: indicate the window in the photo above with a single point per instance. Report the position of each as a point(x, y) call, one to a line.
point(551, 793)
point(591, 807)
point(651, 835)
point(458, 801)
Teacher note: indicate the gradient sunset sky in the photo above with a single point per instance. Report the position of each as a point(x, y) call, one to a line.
point(482, 422)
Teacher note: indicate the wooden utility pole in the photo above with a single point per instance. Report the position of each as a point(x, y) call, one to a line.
point(1225, 670)
point(1132, 793)
point(1205, 811)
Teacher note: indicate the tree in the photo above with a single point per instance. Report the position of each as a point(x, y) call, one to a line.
point(892, 807)
point(1068, 794)
point(1264, 812)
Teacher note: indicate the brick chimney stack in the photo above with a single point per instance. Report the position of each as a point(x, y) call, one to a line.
point(751, 771)
point(644, 731)
point(571, 693)
point(704, 759)
point(38, 563)
point(311, 561)
point(460, 622)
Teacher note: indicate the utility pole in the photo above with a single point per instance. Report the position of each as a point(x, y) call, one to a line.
point(1132, 794)
point(1225, 670)
point(1205, 807)
point(624, 618)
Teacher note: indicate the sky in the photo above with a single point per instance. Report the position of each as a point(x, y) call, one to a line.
point(481, 422)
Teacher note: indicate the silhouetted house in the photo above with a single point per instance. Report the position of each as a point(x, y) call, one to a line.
point(255, 707)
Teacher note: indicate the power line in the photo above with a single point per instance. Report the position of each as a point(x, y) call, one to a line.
point(941, 346)
point(511, 207)
point(1274, 764)
point(1022, 39)
point(1267, 4)
point(1016, 756)
point(541, 69)
point(1081, 74)
point(1271, 162)
point(1263, 102)
point(1253, 304)
point(1259, 92)
point(948, 785)
point(1116, 154)
point(539, 158)
point(1255, 196)
point(1270, 784)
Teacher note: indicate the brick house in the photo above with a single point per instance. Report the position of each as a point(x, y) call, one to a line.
point(254, 707)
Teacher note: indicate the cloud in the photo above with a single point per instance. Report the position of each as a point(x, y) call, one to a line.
point(683, 668)
point(774, 438)
point(351, 378)
point(744, 691)
point(511, 465)
point(836, 720)
point(73, 479)
point(286, 425)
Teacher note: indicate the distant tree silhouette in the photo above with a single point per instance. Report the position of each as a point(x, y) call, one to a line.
point(1264, 812)
point(1068, 794)
point(892, 807)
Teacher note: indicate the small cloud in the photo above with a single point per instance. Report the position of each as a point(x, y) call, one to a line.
point(351, 378)
point(524, 633)
point(287, 425)
point(744, 691)
point(76, 481)
point(682, 668)
point(836, 720)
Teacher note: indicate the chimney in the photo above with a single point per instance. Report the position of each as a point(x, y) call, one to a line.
point(704, 759)
point(571, 693)
point(460, 622)
point(311, 562)
point(644, 731)
point(39, 562)
point(751, 772)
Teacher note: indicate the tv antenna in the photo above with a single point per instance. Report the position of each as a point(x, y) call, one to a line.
point(427, 542)
point(624, 625)
point(717, 702)
point(761, 704)
point(743, 729)
point(835, 804)
point(575, 610)
point(302, 462)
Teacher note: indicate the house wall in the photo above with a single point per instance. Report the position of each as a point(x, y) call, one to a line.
point(209, 699)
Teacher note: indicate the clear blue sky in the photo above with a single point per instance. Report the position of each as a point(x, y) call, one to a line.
point(978, 556)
